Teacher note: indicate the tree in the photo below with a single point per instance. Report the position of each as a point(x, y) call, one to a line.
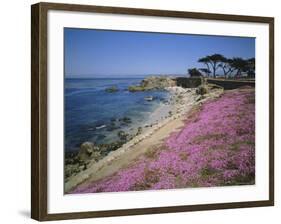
point(251, 66)
point(206, 71)
point(226, 66)
point(194, 72)
point(212, 61)
point(240, 65)
point(205, 61)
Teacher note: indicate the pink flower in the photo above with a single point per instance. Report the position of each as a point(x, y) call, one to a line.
point(217, 148)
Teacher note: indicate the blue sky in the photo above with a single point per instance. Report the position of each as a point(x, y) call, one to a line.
point(94, 53)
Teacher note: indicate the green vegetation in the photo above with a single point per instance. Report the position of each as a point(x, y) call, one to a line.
point(231, 67)
point(194, 72)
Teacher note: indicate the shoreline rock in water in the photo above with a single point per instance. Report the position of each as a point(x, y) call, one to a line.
point(152, 83)
point(112, 89)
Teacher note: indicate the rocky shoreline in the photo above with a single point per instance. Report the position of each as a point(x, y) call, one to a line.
point(79, 165)
point(212, 145)
point(77, 161)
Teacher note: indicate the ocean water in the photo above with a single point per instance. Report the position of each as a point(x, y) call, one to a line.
point(90, 111)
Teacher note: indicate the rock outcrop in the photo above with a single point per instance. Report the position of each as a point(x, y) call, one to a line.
point(207, 88)
point(153, 82)
point(88, 151)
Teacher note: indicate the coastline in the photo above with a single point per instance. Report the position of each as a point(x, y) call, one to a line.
point(182, 103)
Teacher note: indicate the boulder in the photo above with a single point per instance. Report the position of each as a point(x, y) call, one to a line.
point(87, 150)
point(96, 155)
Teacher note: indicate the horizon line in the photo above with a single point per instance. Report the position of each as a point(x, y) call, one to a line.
point(119, 76)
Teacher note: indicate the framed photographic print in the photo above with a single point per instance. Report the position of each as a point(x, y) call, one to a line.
point(139, 111)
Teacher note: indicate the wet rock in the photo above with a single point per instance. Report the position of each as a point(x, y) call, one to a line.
point(126, 120)
point(137, 88)
point(68, 161)
point(96, 155)
point(122, 135)
point(83, 167)
point(104, 149)
point(71, 170)
point(112, 126)
point(86, 151)
point(68, 170)
point(70, 157)
point(139, 131)
point(112, 89)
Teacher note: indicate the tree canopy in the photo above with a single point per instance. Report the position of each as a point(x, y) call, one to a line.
point(194, 72)
point(228, 66)
point(212, 61)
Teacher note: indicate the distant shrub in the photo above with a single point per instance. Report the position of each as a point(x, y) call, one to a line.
point(194, 72)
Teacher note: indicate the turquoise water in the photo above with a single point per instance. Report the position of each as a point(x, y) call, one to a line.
point(90, 111)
